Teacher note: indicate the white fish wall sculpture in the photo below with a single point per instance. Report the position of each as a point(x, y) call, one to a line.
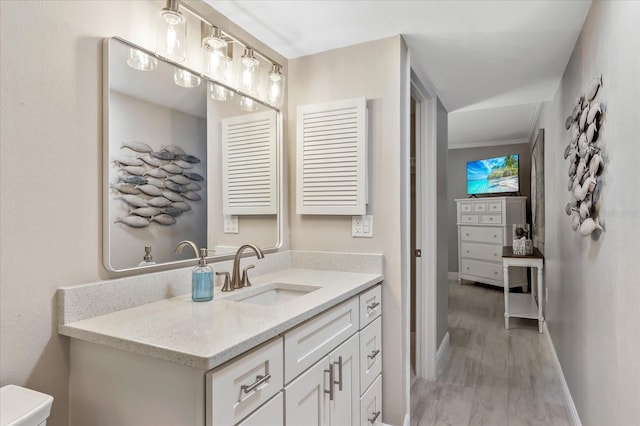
point(154, 184)
point(585, 159)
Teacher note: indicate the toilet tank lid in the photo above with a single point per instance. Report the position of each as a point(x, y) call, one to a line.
point(23, 407)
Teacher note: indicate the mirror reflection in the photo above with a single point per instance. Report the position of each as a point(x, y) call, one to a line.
point(185, 159)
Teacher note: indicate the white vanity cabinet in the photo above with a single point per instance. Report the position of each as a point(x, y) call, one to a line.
point(484, 227)
point(315, 373)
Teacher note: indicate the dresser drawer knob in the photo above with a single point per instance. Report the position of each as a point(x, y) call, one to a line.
point(495, 273)
point(467, 234)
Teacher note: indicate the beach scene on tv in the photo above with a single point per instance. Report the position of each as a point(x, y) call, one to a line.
point(493, 175)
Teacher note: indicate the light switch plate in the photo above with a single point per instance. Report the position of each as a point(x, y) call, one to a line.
point(362, 226)
point(230, 224)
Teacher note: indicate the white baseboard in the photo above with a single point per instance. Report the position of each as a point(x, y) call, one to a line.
point(444, 347)
point(452, 275)
point(573, 412)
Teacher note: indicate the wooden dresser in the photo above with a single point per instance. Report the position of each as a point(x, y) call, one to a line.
point(484, 227)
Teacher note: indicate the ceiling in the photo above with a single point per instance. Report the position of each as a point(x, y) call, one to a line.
point(491, 62)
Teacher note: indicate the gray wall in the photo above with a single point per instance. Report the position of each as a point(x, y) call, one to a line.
point(442, 292)
point(457, 183)
point(593, 283)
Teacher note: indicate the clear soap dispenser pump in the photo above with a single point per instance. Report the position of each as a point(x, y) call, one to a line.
point(202, 280)
point(148, 259)
point(201, 276)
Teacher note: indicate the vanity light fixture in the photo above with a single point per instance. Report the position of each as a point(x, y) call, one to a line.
point(172, 32)
point(214, 54)
point(184, 78)
point(141, 61)
point(219, 93)
point(249, 69)
point(275, 91)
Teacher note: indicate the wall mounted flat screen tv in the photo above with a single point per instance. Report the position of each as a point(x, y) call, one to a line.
point(497, 175)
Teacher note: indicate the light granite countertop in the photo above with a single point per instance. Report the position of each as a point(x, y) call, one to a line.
point(204, 335)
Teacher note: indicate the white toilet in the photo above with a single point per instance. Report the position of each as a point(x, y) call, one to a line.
point(23, 407)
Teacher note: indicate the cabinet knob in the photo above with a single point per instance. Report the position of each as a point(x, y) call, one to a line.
point(373, 419)
point(495, 273)
point(467, 234)
point(373, 354)
point(467, 251)
point(467, 268)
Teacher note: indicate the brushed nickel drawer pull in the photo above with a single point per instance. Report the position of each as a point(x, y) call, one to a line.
point(373, 305)
point(259, 380)
point(373, 419)
point(339, 381)
point(373, 354)
point(331, 382)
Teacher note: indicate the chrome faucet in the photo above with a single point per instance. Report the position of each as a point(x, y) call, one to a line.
point(237, 280)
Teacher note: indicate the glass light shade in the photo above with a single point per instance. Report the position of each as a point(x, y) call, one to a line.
point(219, 93)
point(247, 104)
point(275, 91)
point(184, 78)
point(214, 55)
point(141, 61)
point(172, 35)
point(249, 70)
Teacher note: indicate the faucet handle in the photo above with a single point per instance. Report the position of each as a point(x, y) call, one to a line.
point(244, 282)
point(227, 282)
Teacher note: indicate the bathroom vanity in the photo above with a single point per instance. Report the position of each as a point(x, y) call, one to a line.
point(301, 346)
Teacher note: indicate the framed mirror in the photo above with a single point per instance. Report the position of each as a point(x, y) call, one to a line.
point(185, 158)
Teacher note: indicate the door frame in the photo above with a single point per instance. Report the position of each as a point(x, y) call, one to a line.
point(426, 225)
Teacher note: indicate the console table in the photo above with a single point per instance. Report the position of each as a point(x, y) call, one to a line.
point(523, 305)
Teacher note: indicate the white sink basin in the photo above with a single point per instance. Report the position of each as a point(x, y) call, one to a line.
point(272, 294)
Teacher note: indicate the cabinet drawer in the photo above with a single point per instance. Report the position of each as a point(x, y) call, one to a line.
point(492, 271)
point(491, 218)
point(494, 206)
point(270, 414)
point(371, 404)
point(370, 305)
point(370, 353)
point(481, 234)
point(238, 387)
point(307, 343)
point(479, 207)
point(466, 207)
point(468, 218)
point(481, 252)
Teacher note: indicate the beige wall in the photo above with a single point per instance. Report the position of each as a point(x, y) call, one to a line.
point(593, 283)
point(457, 182)
point(51, 170)
point(372, 70)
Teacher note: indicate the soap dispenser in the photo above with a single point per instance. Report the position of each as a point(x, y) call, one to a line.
point(202, 279)
point(201, 276)
point(148, 259)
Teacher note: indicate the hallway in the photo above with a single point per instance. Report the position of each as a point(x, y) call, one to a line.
point(490, 376)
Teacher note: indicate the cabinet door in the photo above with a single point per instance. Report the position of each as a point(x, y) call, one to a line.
point(344, 408)
point(270, 414)
point(306, 401)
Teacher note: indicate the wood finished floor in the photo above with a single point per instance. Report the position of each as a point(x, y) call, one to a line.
point(490, 376)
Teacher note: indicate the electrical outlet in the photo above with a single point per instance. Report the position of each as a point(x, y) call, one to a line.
point(362, 226)
point(230, 224)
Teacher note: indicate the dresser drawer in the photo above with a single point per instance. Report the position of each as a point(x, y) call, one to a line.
point(494, 206)
point(479, 207)
point(240, 386)
point(466, 207)
point(370, 353)
point(490, 253)
point(307, 343)
point(371, 404)
point(370, 305)
point(492, 271)
point(469, 218)
point(481, 234)
point(491, 219)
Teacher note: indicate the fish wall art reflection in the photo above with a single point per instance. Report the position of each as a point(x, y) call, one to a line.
point(155, 186)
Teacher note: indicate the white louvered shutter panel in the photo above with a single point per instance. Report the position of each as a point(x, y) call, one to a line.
point(332, 158)
point(249, 164)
